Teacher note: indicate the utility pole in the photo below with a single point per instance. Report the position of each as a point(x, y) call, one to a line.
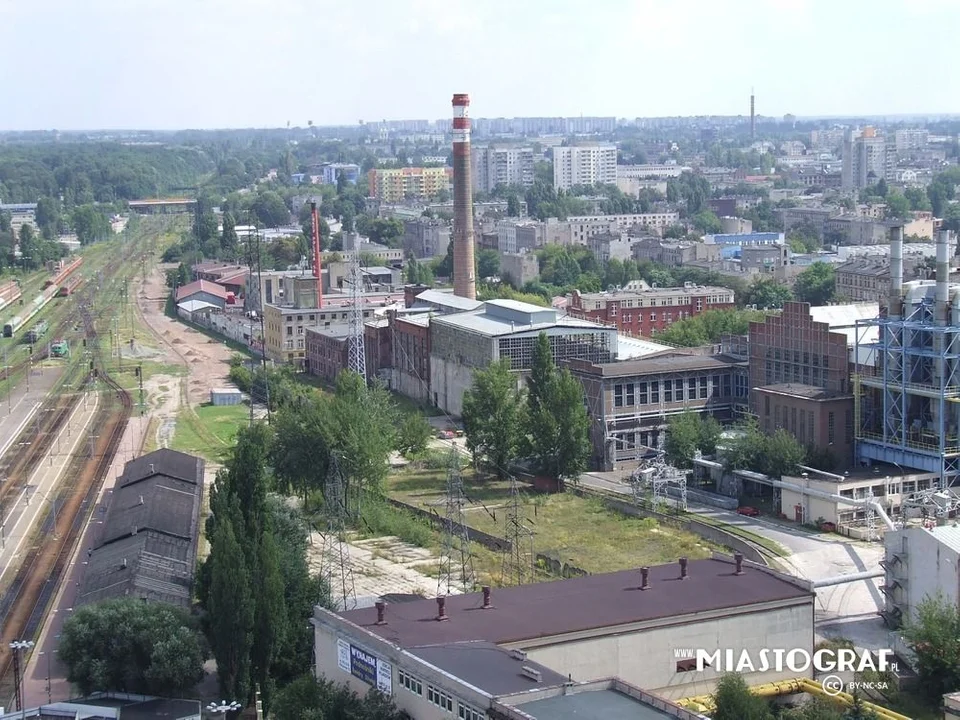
point(456, 563)
point(336, 552)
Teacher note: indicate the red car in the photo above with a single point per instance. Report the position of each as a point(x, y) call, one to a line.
point(446, 435)
point(748, 511)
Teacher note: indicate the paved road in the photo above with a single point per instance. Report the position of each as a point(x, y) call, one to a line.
point(848, 610)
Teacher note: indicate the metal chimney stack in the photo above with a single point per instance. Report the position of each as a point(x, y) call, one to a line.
point(464, 273)
point(943, 277)
point(895, 303)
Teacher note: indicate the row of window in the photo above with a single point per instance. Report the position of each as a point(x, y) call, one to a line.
point(678, 390)
point(438, 697)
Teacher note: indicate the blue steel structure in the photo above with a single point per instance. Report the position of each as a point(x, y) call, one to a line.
point(907, 381)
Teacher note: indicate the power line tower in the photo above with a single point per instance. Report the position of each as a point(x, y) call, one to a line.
point(456, 563)
point(336, 567)
point(357, 359)
point(516, 534)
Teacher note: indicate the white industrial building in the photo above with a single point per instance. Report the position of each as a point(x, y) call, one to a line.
point(584, 165)
point(464, 342)
point(470, 654)
point(919, 563)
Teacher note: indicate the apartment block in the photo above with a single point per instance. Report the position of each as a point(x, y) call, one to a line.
point(584, 165)
point(396, 184)
point(582, 227)
point(494, 166)
point(867, 158)
point(863, 280)
point(645, 312)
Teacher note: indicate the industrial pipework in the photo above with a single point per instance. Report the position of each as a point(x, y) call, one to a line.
point(942, 316)
point(464, 271)
point(895, 309)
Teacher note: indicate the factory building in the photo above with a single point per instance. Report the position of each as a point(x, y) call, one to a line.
point(919, 562)
point(468, 655)
point(907, 390)
point(463, 342)
point(630, 403)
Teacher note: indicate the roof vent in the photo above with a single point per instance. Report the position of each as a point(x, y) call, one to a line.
point(531, 673)
point(141, 500)
point(151, 468)
point(124, 563)
point(518, 655)
point(134, 532)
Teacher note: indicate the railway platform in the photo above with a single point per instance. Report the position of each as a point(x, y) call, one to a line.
point(19, 405)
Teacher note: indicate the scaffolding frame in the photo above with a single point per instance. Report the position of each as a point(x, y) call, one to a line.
point(907, 413)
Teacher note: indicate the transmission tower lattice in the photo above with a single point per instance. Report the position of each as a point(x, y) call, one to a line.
point(871, 516)
point(456, 563)
point(336, 568)
point(517, 535)
point(357, 359)
point(659, 475)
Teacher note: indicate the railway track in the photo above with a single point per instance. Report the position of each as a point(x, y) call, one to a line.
point(25, 605)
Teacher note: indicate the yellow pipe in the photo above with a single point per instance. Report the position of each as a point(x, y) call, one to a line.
point(704, 703)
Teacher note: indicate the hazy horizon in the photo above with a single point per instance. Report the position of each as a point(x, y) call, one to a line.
point(257, 64)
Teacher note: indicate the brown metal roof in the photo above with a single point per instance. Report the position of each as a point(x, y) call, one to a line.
point(581, 604)
point(665, 362)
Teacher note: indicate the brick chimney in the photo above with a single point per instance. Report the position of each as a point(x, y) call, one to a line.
point(738, 559)
point(683, 568)
point(644, 578)
point(442, 609)
point(487, 605)
point(381, 609)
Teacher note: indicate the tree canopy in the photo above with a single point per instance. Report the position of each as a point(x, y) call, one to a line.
point(127, 645)
point(817, 284)
point(492, 417)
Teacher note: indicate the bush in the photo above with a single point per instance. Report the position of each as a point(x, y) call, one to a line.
point(381, 518)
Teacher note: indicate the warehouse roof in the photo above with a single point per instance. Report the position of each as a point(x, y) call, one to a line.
point(810, 392)
point(148, 543)
point(607, 704)
point(199, 286)
point(509, 317)
point(489, 667)
point(445, 299)
point(667, 362)
point(588, 603)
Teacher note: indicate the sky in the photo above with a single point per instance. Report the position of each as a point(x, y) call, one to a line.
point(171, 64)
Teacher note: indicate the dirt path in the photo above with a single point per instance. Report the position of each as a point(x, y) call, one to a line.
point(205, 360)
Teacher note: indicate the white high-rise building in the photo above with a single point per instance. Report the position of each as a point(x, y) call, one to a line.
point(584, 165)
point(494, 166)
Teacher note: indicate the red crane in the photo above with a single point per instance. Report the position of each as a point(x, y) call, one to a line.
point(316, 253)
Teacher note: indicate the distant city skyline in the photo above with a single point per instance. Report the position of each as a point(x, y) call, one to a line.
point(173, 64)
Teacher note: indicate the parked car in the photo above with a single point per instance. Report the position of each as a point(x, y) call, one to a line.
point(748, 511)
point(446, 435)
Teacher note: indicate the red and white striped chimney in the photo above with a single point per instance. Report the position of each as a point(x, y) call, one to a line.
point(464, 273)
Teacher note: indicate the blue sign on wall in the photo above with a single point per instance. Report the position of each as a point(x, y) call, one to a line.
point(363, 665)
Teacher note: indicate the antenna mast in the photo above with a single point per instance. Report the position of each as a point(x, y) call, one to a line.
point(456, 563)
point(336, 567)
point(357, 359)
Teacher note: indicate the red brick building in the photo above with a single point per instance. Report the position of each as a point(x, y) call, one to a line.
point(327, 351)
point(411, 355)
point(644, 312)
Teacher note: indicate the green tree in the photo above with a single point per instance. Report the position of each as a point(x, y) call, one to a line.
point(126, 645)
point(782, 452)
point(558, 426)
point(933, 634)
point(231, 607)
point(707, 222)
point(47, 216)
point(767, 294)
point(229, 242)
point(413, 434)
point(734, 701)
point(443, 267)
point(91, 224)
point(307, 698)
point(898, 206)
point(270, 209)
point(687, 433)
point(492, 415)
point(488, 263)
point(817, 284)
point(419, 273)
point(917, 198)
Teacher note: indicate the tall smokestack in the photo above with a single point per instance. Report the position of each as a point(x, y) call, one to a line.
point(895, 303)
point(464, 277)
point(943, 277)
point(753, 118)
point(315, 217)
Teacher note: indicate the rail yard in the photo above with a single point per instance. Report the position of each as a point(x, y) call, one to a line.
point(53, 465)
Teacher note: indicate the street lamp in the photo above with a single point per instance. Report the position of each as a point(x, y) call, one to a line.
point(17, 646)
point(223, 708)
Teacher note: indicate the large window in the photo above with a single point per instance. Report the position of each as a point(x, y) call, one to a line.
point(831, 428)
point(439, 698)
point(465, 712)
point(411, 683)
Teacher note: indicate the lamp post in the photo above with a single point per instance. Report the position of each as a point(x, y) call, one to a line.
point(223, 708)
point(17, 646)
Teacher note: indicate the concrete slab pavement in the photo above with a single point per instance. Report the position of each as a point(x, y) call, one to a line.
point(21, 403)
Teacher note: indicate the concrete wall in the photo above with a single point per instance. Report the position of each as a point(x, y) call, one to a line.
point(448, 382)
point(926, 566)
point(647, 656)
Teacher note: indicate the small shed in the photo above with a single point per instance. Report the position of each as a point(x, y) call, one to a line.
point(225, 396)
